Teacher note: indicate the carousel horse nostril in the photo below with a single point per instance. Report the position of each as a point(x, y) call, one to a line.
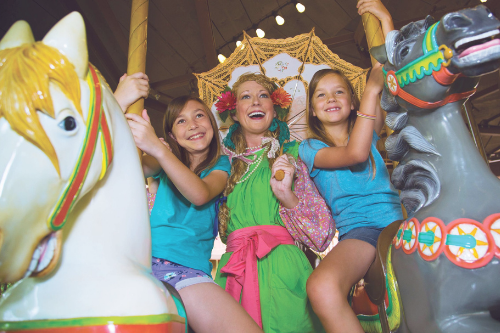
point(456, 21)
point(495, 312)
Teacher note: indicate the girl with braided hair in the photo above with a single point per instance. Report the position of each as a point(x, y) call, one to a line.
point(263, 269)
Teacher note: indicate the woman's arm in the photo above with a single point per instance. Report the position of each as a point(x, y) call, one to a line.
point(198, 191)
point(310, 221)
point(358, 147)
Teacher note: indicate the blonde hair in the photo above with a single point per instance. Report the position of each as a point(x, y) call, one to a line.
point(25, 74)
point(173, 110)
point(315, 127)
point(238, 167)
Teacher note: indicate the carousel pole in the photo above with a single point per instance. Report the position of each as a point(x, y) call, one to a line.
point(137, 47)
point(375, 37)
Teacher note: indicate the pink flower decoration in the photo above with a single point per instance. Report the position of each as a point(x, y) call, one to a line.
point(226, 101)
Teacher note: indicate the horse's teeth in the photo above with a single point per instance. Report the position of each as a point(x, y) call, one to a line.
point(479, 55)
point(473, 38)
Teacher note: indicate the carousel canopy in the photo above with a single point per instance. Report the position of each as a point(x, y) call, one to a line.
point(186, 36)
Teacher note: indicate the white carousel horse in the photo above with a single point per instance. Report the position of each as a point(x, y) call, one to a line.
point(60, 127)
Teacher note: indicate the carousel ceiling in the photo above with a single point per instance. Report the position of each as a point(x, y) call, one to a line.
point(185, 37)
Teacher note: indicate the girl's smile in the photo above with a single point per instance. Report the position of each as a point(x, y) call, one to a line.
point(192, 129)
point(331, 101)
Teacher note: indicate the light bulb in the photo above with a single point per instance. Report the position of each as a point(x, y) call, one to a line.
point(484, 0)
point(260, 33)
point(221, 58)
point(300, 7)
point(280, 20)
point(238, 43)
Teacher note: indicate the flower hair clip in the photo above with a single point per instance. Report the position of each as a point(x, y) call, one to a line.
point(226, 102)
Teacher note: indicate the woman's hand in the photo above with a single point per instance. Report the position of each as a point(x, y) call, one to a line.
point(131, 88)
point(283, 189)
point(144, 134)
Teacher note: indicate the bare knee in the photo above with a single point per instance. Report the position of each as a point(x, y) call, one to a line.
point(323, 289)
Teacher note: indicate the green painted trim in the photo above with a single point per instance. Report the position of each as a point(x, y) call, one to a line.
point(426, 238)
point(92, 321)
point(465, 241)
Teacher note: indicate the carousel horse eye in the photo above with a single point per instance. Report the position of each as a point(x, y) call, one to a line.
point(68, 124)
point(404, 52)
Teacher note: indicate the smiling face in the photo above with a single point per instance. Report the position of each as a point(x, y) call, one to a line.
point(192, 128)
point(254, 108)
point(331, 101)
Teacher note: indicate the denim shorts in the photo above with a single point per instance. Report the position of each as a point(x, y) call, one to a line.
point(176, 275)
point(365, 234)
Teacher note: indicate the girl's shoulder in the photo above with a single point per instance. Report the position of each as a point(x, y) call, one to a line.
point(312, 144)
point(221, 164)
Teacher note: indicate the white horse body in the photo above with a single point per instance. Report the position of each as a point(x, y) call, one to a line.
point(105, 264)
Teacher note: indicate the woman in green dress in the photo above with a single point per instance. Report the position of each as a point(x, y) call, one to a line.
point(263, 268)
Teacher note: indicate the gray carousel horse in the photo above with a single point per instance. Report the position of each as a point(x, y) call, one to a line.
point(446, 254)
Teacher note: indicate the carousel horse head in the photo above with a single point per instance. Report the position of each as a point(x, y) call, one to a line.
point(429, 65)
point(55, 141)
point(423, 60)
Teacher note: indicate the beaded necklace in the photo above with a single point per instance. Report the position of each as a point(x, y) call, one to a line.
point(256, 162)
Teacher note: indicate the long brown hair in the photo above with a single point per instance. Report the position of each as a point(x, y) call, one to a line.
point(316, 130)
point(173, 110)
point(238, 167)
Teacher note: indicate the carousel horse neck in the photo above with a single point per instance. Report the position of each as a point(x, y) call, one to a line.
point(105, 251)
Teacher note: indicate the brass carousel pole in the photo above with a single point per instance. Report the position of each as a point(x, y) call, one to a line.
point(137, 47)
point(375, 37)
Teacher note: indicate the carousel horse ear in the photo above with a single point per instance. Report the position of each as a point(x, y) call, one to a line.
point(379, 53)
point(429, 20)
point(19, 34)
point(69, 37)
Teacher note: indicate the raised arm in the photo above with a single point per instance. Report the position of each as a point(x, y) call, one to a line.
point(198, 191)
point(310, 221)
point(358, 147)
point(376, 8)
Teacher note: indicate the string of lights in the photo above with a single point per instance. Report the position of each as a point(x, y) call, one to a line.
point(261, 33)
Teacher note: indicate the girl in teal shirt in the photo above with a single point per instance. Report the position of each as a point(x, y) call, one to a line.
point(192, 173)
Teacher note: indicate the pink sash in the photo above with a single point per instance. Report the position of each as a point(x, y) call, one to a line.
point(247, 245)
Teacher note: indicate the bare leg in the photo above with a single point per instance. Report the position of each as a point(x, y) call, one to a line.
point(330, 283)
point(211, 309)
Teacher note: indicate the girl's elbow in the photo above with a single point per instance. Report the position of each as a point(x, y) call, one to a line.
point(360, 156)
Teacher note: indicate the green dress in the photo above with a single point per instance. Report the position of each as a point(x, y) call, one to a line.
point(284, 271)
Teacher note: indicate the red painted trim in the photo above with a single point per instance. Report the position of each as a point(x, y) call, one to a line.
point(417, 229)
point(444, 76)
point(171, 327)
point(479, 262)
point(488, 222)
point(428, 105)
point(439, 250)
point(86, 159)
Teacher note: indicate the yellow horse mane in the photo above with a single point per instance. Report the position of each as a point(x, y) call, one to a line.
point(25, 73)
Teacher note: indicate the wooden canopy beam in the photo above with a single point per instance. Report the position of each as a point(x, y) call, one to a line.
point(207, 36)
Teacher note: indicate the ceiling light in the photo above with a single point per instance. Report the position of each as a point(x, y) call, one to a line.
point(280, 20)
point(484, 0)
point(260, 33)
point(221, 58)
point(238, 43)
point(300, 7)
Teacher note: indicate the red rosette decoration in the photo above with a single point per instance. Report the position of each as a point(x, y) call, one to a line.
point(226, 102)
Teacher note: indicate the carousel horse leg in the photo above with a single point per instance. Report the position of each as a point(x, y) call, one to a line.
point(375, 284)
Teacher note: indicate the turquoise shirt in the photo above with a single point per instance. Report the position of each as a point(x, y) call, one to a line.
point(355, 199)
point(180, 231)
